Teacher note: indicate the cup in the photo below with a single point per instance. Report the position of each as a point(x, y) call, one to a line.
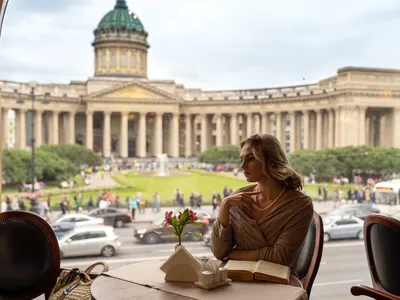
point(223, 274)
point(207, 278)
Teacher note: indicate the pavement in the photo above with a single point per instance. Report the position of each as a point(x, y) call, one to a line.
point(343, 263)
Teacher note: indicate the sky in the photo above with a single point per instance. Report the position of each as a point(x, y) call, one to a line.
point(208, 44)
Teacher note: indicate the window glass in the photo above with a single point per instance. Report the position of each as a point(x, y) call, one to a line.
point(113, 60)
point(123, 60)
point(97, 234)
point(133, 60)
point(104, 60)
point(79, 237)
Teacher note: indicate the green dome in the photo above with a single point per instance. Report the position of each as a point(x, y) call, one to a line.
point(121, 18)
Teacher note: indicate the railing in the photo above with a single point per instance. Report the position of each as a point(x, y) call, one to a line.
point(278, 92)
point(60, 90)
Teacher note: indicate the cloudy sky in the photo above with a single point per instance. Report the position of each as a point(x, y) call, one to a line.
point(210, 44)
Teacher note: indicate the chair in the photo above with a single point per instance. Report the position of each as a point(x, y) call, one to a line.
point(29, 256)
point(311, 253)
point(382, 244)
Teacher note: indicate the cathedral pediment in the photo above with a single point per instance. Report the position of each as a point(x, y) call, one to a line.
point(134, 91)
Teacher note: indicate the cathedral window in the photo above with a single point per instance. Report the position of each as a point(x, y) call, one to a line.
point(104, 60)
point(133, 60)
point(123, 60)
point(113, 60)
point(139, 61)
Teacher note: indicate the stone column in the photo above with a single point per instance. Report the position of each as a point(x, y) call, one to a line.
point(218, 127)
point(234, 129)
point(331, 129)
point(124, 135)
point(71, 128)
point(158, 134)
point(264, 123)
point(337, 128)
point(6, 127)
point(89, 130)
point(292, 131)
point(54, 128)
point(22, 129)
point(318, 135)
point(306, 134)
point(141, 133)
point(361, 125)
point(204, 131)
point(38, 128)
point(107, 134)
point(188, 135)
point(396, 127)
point(174, 135)
point(279, 126)
point(249, 124)
point(257, 124)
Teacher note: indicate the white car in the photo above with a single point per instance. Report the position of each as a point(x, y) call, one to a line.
point(91, 240)
point(80, 220)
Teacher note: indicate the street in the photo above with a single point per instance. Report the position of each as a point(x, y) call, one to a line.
point(343, 263)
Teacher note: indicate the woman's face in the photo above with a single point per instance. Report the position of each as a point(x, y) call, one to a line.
point(253, 169)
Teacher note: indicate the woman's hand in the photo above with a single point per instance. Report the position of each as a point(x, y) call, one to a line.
point(243, 198)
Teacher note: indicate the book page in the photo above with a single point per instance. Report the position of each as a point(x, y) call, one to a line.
point(271, 269)
point(241, 265)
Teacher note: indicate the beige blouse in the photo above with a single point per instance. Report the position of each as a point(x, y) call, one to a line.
point(276, 237)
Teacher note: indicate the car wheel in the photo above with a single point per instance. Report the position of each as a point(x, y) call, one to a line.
point(360, 235)
point(108, 251)
point(119, 223)
point(151, 238)
point(327, 238)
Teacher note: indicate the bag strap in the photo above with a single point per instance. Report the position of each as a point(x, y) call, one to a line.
point(91, 267)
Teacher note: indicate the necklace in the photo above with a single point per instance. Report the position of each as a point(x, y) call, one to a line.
point(273, 201)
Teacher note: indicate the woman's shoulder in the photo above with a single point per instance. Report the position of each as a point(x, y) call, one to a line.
point(244, 189)
point(301, 199)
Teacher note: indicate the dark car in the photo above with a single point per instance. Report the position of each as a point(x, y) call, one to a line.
point(112, 216)
point(157, 232)
point(358, 210)
point(60, 229)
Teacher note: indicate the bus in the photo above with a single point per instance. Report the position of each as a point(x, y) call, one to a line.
point(387, 192)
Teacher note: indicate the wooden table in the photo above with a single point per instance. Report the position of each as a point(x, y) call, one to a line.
point(146, 281)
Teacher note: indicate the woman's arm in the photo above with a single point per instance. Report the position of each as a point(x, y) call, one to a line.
point(222, 235)
point(289, 241)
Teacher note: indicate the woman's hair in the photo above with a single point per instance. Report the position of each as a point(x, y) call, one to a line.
point(267, 149)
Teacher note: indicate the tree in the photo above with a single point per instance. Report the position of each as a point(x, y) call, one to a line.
point(75, 154)
point(221, 155)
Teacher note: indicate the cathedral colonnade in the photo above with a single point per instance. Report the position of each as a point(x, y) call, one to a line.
point(148, 133)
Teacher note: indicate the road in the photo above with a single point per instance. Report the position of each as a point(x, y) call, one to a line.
point(343, 263)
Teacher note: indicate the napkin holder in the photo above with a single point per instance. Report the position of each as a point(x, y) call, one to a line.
point(181, 266)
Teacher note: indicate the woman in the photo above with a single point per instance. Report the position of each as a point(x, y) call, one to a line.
point(269, 220)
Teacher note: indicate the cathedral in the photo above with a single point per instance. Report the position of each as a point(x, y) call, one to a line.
point(121, 113)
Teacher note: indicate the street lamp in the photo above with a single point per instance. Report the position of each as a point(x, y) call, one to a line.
point(20, 100)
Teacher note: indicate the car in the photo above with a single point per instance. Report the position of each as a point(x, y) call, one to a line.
point(112, 216)
point(343, 227)
point(207, 237)
point(157, 232)
point(80, 220)
point(90, 240)
point(358, 210)
point(60, 229)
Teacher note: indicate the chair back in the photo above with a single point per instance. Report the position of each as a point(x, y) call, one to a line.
point(382, 244)
point(29, 256)
point(311, 253)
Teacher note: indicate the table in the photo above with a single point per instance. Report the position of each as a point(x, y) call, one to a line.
point(146, 281)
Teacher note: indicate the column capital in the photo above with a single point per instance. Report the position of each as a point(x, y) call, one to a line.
point(124, 113)
point(89, 112)
point(107, 113)
point(306, 112)
point(142, 113)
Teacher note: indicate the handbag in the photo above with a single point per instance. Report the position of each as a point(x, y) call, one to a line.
point(75, 284)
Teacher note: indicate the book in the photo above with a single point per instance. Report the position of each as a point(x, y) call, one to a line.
point(242, 270)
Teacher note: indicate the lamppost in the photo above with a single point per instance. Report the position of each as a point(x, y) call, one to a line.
point(3, 6)
point(20, 100)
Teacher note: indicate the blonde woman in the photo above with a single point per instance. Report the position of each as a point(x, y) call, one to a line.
point(270, 219)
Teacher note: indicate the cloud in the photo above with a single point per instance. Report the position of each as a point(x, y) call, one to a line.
point(208, 44)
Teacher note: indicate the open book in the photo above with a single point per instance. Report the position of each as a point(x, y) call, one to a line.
point(241, 270)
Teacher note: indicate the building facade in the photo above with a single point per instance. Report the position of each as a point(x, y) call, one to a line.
point(121, 113)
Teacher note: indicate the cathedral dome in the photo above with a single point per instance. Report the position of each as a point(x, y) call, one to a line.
point(120, 19)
